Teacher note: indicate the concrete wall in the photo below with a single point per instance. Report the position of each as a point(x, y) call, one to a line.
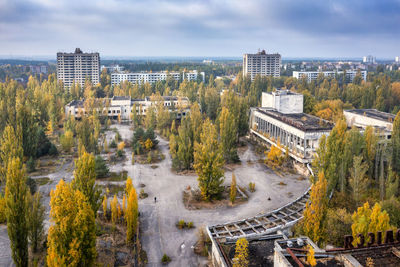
point(364, 121)
point(284, 103)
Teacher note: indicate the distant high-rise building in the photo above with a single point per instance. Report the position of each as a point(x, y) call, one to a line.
point(262, 63)
point(397, 59)
point(369, 59)
point(76, 67)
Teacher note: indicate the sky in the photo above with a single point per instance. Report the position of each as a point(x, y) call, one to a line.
point(201, 28)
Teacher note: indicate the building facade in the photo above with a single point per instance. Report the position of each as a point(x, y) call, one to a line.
point(313, 75)
point(369, 59)
point(152, 77)
point(262, 64)
point(77, 67)
point(281, 120)
point(122, 106)
point(361, 118)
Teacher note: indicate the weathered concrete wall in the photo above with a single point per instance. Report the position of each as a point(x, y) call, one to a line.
point(284, 103)
point(364, 121)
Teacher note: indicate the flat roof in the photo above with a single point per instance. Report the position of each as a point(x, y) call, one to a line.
point(374, 114)
point(261, 251)
point(302, 121)
point(121, 98)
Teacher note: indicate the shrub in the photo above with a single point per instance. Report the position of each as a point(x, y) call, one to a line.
point(392, 207)
point(133, 158)
point(119, 153)
point(53, 150)
point(338, 221)
point(30, 165)
point(165, 259)
point(190, 225)
point(113, 144)
point(252, 187)
point(117, 137)
point(149, 158)
point(121, 145)
point(181, 224)
point(101, 167)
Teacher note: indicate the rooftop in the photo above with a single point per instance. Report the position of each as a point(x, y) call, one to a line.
point(121, 98)
point(374, 114)
point(261, 251)
point(301, 121)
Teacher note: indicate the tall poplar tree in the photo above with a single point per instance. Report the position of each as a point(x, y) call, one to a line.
point(85, 178)
point(16, 210)
point(208, 162)
point(72, 235)
point(228, 135)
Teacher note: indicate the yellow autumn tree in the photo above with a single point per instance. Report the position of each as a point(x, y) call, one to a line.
point(121, 146)
point(72, 235)
point(275, 155)
point(367, 220)
point(241, 253)
point(131, 215)
point(148, 144)
point(104, 203)
point(314, 221)
point(311, 256)
point(128, 186)
point(124, 205)
point(114, 210)
point(49, 128)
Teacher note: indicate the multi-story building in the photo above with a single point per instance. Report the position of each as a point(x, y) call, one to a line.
point(262, 63)
point(313, 75)
point(123, 106)
point(369, 59)
point(281, 120)
point(112, 68)
point(77, 67)
point(38, 69)
point(397, 59)
point(152, 77)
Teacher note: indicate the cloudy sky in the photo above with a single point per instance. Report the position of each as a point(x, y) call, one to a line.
point(137, 28)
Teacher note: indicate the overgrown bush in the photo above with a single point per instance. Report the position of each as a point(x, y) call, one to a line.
point(113, 144)
point(53, 150)
point(143, 140)
point(252, 187)
point(392, 207)
point(165, 259)
point(339, 224)
point(101, 167)
point(31, 165)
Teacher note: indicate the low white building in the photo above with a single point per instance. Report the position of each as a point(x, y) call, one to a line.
point(152, 77)
point(313, 75)
point(281, 120)
point(361, 118)
point(123, 106)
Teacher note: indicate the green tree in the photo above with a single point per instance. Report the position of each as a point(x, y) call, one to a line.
point(36, 217)
point(101, 167)
point(358, 180)
point(85, 178)
point(67, 140)
point(228, 135)
point(10, 147)
point(184, 142)
point(208, 162)
point(17, 208)
point(72, 235)
point(396, 145)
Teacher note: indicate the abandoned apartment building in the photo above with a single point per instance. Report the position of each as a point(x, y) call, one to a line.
point(122, 106)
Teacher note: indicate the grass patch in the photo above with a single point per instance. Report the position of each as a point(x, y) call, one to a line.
point(282, 183)
point(113, 189)
point(154, 166)
point(116, 177)
point(43, 181)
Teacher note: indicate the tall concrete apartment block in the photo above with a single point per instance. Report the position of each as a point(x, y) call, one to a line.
point(77, 67)
point(262, 63)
